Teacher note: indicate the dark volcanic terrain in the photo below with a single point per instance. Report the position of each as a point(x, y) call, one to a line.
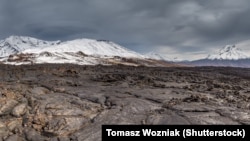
point(71, 102)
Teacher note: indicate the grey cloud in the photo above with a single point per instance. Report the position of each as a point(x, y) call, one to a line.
point(141, 25)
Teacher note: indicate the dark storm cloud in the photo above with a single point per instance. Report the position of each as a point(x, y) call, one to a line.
point(141, 25)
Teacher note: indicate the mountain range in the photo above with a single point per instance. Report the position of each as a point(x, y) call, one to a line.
point(19, 50)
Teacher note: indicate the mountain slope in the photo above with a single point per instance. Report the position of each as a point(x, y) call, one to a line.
point(17, 44)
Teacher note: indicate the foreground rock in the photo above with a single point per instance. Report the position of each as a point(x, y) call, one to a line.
point(70, 102)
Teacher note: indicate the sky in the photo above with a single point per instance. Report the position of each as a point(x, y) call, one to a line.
point(187, 29)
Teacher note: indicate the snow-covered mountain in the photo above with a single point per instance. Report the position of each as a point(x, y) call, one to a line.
point(228, 56)
point(229, 52)
point(159, 56)
point(18, 50)
point(156, 56)
point(17, 44)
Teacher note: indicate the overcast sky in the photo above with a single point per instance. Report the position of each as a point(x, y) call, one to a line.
point(182, 28)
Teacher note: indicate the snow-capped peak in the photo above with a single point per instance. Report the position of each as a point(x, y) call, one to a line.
point(229, 52)
point(16, 44)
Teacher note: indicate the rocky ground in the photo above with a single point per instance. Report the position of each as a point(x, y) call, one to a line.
point(70, 102)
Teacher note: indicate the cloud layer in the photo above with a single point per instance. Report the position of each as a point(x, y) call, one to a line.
point(189, 28)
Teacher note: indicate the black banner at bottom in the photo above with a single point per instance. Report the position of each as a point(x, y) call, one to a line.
point(175, 132)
